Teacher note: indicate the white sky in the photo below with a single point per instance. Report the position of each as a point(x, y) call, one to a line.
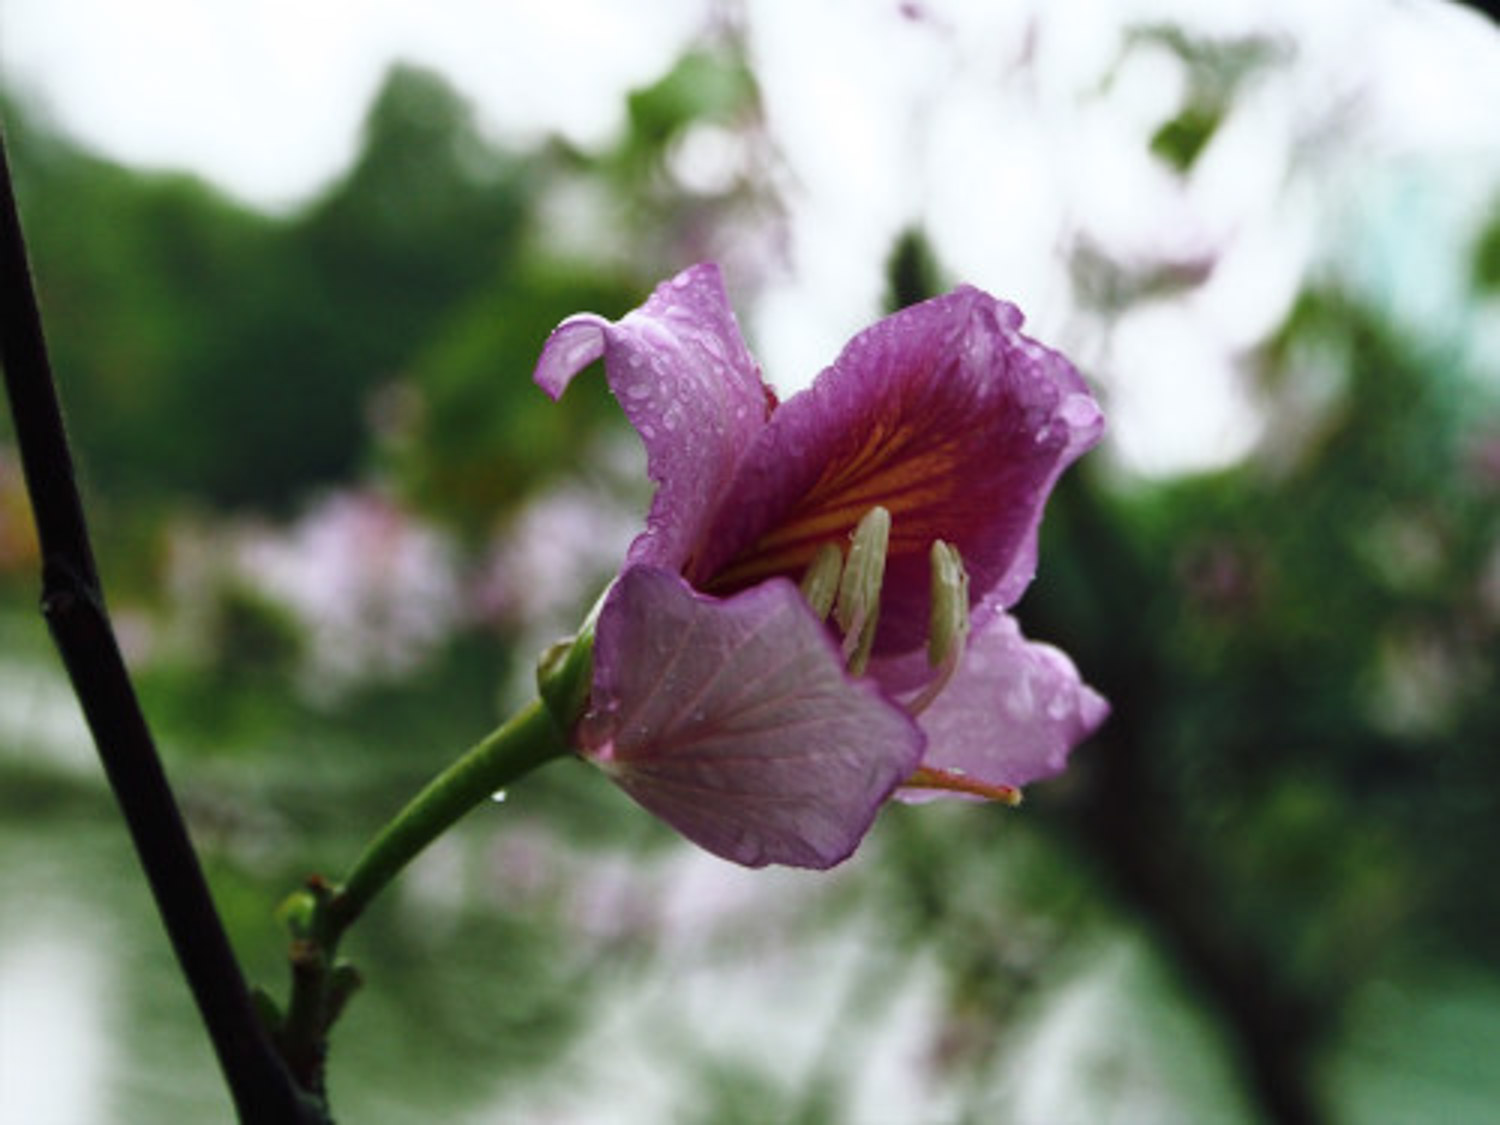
point(1010, 129)
point(265, 96)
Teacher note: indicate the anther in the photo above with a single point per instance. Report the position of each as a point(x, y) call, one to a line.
point(948, 623)
point(858, 607)
point(820, 585)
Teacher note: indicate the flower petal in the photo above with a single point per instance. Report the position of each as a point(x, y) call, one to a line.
point(735, 722)
point(1012, 712)
point(682, 374)
point(946, 414)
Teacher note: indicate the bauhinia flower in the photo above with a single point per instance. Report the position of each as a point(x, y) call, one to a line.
point(815, 616)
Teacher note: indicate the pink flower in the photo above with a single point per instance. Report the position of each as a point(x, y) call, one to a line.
point(721, 699)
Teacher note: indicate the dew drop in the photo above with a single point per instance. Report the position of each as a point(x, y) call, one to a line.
point(498, 796)
point(1079, 411)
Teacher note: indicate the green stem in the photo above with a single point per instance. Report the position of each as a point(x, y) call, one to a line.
point(320, 984)
point(529, 739)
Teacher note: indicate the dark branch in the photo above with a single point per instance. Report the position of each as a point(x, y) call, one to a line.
point(73, 603)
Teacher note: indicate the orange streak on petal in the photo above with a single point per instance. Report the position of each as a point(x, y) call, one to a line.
point(749, 569)
point(902, 469)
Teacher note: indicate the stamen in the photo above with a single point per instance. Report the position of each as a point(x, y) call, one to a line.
point(820, 585)
point(948, 628)
point(956, 781)
point(858, 607)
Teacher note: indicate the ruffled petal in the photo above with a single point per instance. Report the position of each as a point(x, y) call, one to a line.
point(686, 381)
point(946, 414)
point(735, 721)
point(1011, 714)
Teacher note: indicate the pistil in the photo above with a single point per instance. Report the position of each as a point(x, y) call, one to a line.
point(956, 781)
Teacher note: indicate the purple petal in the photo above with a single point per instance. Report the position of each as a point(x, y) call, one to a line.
point(735, 722)
point(1012, 713)
point(946, 414)
point(682, 374)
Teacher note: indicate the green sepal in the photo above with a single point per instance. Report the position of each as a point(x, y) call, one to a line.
point(565, 672)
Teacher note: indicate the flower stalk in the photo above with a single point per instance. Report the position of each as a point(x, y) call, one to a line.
point(320, 914)
point(529, 739)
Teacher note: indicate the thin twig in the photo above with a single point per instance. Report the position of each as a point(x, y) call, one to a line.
point(73, 603)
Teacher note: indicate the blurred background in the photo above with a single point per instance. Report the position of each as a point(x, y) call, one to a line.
point(296, 267)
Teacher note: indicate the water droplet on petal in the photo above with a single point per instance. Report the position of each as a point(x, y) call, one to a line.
point(1020, 701)
point(1079, 410)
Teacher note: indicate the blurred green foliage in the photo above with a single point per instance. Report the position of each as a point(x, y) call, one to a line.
point(1487, 255)
point(1298, 783)
point(1216, 71)
point(216, 356)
